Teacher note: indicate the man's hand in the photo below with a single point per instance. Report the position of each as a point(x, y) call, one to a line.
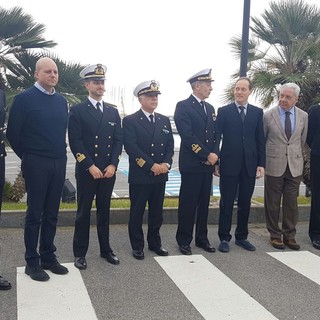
point(95, 172)
point(260, 172)
point(212, 158)
point(164, 167)
point(156, 169)
point(109, 171)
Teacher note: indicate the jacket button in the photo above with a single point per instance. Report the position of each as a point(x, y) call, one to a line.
point(95, 154)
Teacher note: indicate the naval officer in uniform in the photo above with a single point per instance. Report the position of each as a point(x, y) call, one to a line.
point(95, 138)
point(195, 121)
point(148, 141)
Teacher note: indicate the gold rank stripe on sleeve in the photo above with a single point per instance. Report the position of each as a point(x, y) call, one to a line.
point(140, 162)
point(80, 157)
point(196, 148)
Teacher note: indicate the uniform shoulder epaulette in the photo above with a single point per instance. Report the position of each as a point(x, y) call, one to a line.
point(111, 105)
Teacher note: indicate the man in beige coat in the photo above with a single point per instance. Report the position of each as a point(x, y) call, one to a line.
point(285, 128)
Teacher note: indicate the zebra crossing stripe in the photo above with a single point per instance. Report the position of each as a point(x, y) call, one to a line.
point(62, 297)
point(212, 293)
point(304, 262)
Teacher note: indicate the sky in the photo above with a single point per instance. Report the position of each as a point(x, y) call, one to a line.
point(140, 40)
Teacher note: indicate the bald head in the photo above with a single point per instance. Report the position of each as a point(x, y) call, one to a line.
point(46, 73)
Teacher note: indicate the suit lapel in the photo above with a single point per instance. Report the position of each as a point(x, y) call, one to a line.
point(145, 122)
point(92, 111)
point(276, 116)
point(197, 107)
point(235, 113)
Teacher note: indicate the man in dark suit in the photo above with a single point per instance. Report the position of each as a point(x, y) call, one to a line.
point(37, 133)
point(4, 284)
point(95, 138)
point(148, 141)
point(242, 160)
point(313, 140)
point(195, 121)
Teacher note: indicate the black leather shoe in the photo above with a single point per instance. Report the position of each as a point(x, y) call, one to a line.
point(206, 247)
point(138, 254)
point(110, 257)
point(80, 263)
point(54, 267)
point(186, 250)
point(160, 252)
point(316, 244)
point(4, 284)
point(36, 273)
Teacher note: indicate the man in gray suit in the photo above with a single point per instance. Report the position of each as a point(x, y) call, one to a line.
point(285, 128)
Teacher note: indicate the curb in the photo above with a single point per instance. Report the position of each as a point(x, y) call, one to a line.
point(15, 219)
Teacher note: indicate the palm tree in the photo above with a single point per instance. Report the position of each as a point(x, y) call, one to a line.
point(284, 47)
point(18, 33)
point(21, 76)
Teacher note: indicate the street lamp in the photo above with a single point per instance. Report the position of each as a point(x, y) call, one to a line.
point(245, 38)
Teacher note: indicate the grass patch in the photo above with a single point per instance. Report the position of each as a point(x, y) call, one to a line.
point(302, 200)
point(169, 202)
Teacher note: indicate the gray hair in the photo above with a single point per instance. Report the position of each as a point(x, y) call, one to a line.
point(292, 86)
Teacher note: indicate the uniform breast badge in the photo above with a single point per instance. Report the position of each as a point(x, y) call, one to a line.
point(196, 148)
point(80, 157)
point(140, 162)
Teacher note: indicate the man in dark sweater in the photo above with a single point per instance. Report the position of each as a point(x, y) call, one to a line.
point(37, 133)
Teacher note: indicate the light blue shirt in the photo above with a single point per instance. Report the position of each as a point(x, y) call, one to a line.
point(39, 87)
point(244, 105)
point(282, 113)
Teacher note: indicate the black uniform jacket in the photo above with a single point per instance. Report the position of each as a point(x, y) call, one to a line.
point(94, 139)
point(198, 135)
point(147, 146)
point(2, 121)
point(241, 141)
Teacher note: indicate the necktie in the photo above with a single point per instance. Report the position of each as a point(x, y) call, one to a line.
point(242, 114)
point(151, 119)
point(203, 107)
point(98, 108)
point(287, 125)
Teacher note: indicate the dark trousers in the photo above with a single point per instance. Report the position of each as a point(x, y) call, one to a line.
point(140, 195)
point(87, 188)
point(44, 179)
point(314, 223)
point(228, 190)
point(194, 198)
point(285, 187)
